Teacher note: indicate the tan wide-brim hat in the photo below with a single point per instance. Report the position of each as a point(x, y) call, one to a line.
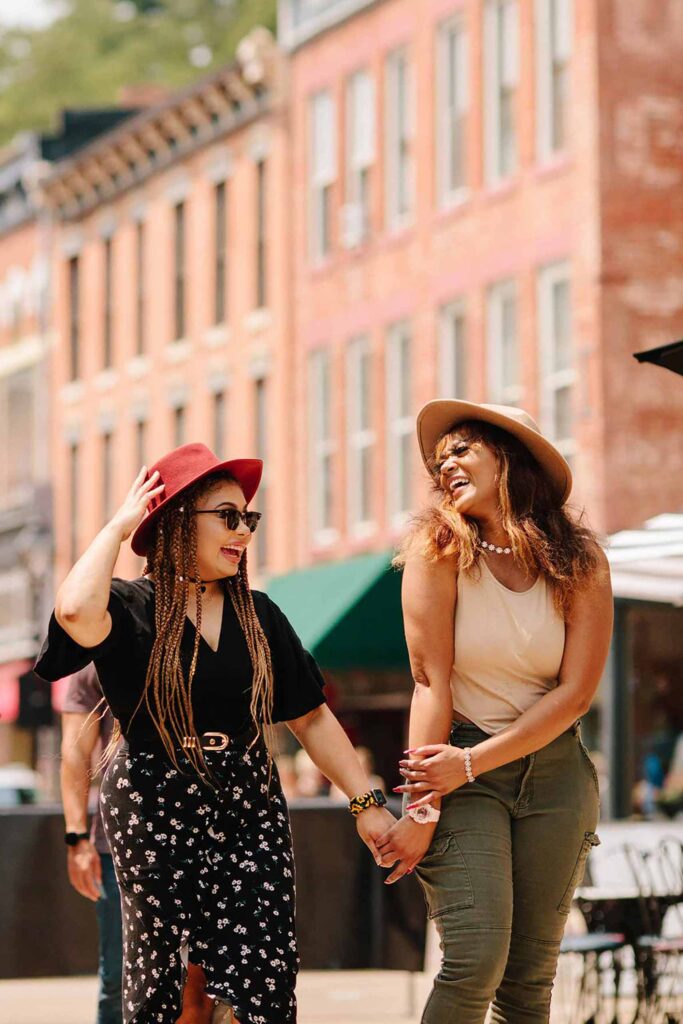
point(441, 416)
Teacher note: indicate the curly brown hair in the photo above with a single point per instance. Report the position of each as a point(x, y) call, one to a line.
point(172, 563)
point(546, 536)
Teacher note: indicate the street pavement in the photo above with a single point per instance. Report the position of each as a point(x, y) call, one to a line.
point(325, 997)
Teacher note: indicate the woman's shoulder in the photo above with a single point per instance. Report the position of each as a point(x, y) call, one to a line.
point(135, 594)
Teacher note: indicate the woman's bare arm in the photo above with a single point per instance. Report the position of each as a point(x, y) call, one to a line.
point(82, 599)
point(588, 633)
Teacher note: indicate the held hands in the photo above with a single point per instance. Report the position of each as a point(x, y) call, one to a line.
point(372, 824)
point(85, 869)
point(131, 513)
point(432, 772)
point(406, 842)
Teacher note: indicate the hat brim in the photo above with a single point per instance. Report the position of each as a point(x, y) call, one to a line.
point(246, 472)
point(437, 417)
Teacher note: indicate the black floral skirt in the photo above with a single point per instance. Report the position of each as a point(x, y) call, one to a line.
point(205, 875)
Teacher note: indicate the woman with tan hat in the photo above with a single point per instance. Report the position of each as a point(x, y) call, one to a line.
point(508, 617)
point(195, 667)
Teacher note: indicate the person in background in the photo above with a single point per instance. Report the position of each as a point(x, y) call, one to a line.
point(87, 725)
point(366, 758)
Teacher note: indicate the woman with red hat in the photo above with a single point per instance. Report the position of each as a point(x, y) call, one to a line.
point(195, 667)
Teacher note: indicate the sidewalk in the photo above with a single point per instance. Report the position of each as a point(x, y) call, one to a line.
point(325, 997)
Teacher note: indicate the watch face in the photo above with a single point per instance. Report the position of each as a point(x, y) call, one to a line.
point(379, 797)
point(421, 814)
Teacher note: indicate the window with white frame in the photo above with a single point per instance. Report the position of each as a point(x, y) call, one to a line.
point(399, 157)
point(322, 446)
point(360, 156)
point(360, 435)
point(501, 73)
point(554, 38)
point(558, 372)
point(451, 111)
point(400, 421)
point(452, 365)
point(503, 344)
point(323, 172)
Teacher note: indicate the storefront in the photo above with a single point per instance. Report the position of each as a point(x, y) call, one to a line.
point(348, 615)
point(639, 713)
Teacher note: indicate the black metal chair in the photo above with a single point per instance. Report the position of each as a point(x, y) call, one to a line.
point(658, 876)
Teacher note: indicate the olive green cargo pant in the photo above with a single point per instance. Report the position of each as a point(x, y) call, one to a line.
point(499, 877)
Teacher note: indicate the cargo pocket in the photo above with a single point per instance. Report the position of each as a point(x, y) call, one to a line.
point(444, 877)
point(590, 840)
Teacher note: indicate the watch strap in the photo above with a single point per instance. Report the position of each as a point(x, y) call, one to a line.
point(374, 798)
point(73, 838)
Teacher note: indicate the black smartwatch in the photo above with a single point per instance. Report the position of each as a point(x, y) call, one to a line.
point(375, 798)
point(74, 838)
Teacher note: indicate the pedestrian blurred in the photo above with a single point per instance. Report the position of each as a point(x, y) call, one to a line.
point(287, 774)
point(87, 726)
point(196, 667)
point(366, 758)
point(310, 781)
point(508, 617)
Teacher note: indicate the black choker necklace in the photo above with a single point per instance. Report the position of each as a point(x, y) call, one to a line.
point(199, 583)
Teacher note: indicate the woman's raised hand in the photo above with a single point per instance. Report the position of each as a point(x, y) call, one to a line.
point(432, 772)
point(132, 511)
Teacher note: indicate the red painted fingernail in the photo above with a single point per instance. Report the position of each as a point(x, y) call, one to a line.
point(409, 807)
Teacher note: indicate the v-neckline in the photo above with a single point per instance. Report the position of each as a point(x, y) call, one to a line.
point(202, 638)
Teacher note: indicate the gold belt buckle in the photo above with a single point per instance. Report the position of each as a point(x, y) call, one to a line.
point(217, 741)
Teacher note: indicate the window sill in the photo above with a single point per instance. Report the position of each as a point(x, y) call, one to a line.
point(72, 392)
point(217, 336)
point(258, 320)
point(553, 165)
point(138, 367)
point(105, 380)
point(178, 351)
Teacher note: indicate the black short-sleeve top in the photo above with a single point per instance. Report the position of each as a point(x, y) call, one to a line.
point(221, 689)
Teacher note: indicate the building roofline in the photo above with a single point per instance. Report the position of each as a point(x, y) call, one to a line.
point(186, 120)
point(293, 37)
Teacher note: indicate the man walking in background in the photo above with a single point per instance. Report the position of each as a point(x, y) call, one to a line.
point(87, 726)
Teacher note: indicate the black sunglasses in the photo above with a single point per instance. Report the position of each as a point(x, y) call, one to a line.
point(232, 517)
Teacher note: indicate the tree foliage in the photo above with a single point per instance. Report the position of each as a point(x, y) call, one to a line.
point(94, 48)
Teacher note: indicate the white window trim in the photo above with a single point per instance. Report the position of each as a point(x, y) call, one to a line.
point(355, 219)
point(447, 196)
point(500, 393)
point(320, 449)
point(551, 381)
point(544, 75)
point(396, 220)
point(447, 369)
point(398, 425)
point(492, 88)
point(359, 438)
point(320, 179)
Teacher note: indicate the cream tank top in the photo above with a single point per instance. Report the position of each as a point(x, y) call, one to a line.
point(508, 648)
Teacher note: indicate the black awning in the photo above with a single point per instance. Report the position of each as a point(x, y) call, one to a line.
point(669, 356)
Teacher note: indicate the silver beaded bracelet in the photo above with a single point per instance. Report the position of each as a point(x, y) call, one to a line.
point(468, 764)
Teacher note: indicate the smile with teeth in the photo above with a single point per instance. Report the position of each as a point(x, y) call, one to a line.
point(233, 552)
point(457, 483)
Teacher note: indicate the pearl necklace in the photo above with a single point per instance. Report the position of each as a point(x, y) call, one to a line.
point(492, 547)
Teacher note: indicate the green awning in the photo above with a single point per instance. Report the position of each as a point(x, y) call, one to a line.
point(347, 613)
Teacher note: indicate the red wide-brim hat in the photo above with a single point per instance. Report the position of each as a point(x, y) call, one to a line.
point(183, 467)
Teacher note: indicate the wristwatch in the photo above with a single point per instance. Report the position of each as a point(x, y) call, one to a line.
point(423, 814)
point(375, 798)
point(74, 838)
